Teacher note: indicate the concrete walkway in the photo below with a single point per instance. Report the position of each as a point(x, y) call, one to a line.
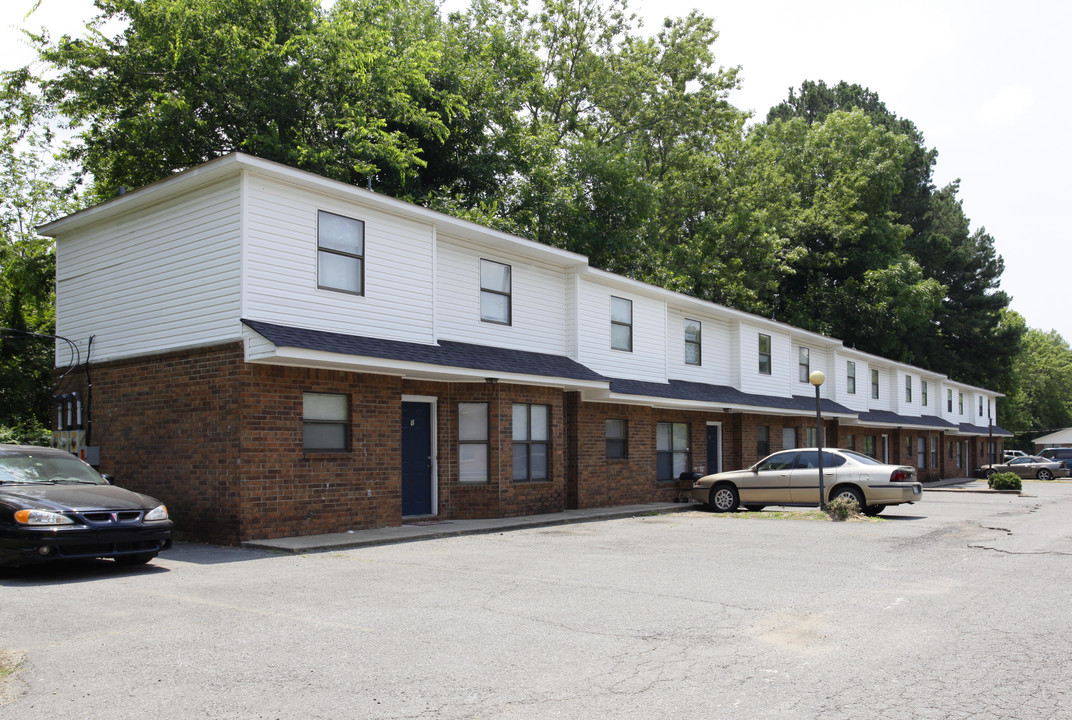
point(452, 528)
point(428, 530)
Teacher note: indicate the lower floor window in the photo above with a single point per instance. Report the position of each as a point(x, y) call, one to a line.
point(325, 422)
point(671, 450)
point(869, 445)
point(763, 440)
point(617, 434)
point(532, 446)
point(473, 442)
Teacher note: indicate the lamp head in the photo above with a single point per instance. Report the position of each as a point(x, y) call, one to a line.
point(816, 378)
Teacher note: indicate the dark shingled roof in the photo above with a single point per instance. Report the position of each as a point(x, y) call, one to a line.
point(969, 429)
point(501, 360)
point(721, 395)
point(891, 418)
point(447, 353)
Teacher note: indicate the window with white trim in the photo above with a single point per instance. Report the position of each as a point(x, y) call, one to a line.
point(617, 439)
point(340, 253)
point(495, 292)
point(325, 422)
point(692, 342)
point(850, 373)
point(671, 450)
point(473, 442)
point(804, 363)
point(621, 324)
point(764, 354)
point(532, 442)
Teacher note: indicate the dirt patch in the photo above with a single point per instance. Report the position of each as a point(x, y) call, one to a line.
point(10, 664)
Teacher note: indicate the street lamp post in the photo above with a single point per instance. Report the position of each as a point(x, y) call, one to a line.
point(817, 378)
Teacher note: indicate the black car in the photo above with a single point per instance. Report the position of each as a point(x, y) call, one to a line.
point(53, 506)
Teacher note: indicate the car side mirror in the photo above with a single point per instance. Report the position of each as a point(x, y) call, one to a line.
point(108, 478)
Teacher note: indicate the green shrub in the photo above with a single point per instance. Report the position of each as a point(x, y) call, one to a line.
point(842, 509)
point(1005, 481)
point(25, 433)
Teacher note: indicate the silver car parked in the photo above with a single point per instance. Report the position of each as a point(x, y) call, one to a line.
point(791, 477)
point(1027, 467)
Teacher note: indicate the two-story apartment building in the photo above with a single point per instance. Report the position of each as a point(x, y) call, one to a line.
point(275, 353)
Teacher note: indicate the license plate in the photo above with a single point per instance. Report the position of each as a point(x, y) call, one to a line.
point(917, 490)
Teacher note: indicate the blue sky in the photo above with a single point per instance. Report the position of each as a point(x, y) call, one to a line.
point(984, 81)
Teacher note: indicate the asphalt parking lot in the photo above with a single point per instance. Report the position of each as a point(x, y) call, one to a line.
point(953, 608)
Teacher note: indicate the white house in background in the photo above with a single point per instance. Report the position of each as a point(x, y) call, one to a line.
point(1061, 438)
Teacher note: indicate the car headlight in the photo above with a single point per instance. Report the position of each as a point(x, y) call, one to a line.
point(157, 513)
point(41, 517)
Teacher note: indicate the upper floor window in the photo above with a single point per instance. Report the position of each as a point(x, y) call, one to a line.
point(908, 388)
point(692, 342)
point(980, 406)
point(923, 392)
point(960, 403)
point(340, 253)
point(325, 422)
point(764, 354)
point(617, 437)
point(850, 373)
point(532, 442)
point(495, 298)
point(949, 400)
point(621, 324)
point(874, 384)
point(804, 363)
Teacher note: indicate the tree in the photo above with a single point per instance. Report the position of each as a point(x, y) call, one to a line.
point(964, 337)
point(847, 274)
point(32, 192)
point(348, 94)
point(1039, 398)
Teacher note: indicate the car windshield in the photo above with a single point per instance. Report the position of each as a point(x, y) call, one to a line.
point(47, 468)
point(861, 458)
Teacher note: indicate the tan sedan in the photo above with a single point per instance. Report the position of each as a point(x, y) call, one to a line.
point(791, 477)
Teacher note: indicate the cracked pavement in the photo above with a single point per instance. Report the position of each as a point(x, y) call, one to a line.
point(953, 608)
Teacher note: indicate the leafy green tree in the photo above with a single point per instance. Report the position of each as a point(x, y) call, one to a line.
point(1039, 398)
point(964, 337)
point(32, 192)
point(848, 274)
point(967, 338)
point(348, 94)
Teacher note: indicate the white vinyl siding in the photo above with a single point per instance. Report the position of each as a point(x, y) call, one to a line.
point(281, 269)
point(647, 361)
point(164, 278)
point(537, 307)
point(782, 380)
point(716, 352)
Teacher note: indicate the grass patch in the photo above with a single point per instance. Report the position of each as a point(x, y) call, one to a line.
point(9, 667)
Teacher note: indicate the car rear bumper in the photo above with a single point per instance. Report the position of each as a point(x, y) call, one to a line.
point(894, 493)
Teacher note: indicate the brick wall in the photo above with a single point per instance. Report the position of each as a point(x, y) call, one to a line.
point(220, 442)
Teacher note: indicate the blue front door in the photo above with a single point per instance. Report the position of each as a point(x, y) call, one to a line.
point(713, 452)
point(416, 459)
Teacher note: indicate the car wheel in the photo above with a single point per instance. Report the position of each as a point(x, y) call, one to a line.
point(724, 498)
point(849, 493)
point(139, 559)
point(988, 472)
point(1044, 474)
point(754, 508)
point(873, 510)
